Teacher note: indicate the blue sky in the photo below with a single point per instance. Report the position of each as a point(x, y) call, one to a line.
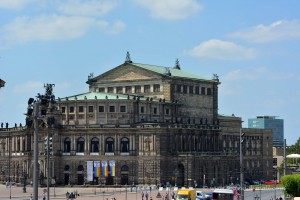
point(253, 46)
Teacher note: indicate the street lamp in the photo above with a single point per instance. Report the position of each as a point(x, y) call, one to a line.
point(24, 181)
point(241, 163)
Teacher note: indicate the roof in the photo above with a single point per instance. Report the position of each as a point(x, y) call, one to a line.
point(98, 95)
point(169, 71)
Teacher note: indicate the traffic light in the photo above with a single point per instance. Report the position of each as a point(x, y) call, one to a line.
point(44, 102)
point(242, 137)
point(46, 145)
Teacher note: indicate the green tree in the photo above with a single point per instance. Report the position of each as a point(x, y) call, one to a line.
point(291, 184)
point(295, 148)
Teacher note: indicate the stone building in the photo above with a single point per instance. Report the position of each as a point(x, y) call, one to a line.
point(149, 125)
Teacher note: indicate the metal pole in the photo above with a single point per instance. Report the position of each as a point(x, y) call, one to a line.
point(284, 157)
point(36, 153)
point(241, 166)
point(9, 159)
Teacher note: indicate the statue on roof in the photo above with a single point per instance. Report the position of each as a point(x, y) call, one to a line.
point(128, 59)
point(177, 65)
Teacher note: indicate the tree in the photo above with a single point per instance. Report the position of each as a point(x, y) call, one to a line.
point(291, 184)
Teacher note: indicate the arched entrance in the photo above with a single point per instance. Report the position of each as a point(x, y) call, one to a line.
point(179, 175)
point(80, 175)
point(124, 175)
point(67, 175)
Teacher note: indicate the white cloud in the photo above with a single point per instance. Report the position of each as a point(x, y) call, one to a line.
point(15, 4)
point(116, 27)
point(29, 86)
point(52, 27)
point(246, 74)
point(171, 9)
point(223, 50)
point(86, 7)
point(280, 30)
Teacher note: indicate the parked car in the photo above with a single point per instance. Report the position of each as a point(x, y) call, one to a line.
point(208, 195)
point(200, 195)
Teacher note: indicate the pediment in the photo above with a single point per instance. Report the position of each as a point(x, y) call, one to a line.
point(131, 76)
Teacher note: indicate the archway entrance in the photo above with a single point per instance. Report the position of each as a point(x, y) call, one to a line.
point(124, 175)
point(179, 175)
point(80, 175)
point(67, 175)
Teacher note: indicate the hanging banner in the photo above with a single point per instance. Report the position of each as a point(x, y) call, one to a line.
point(104, 168)
point(89, 170)
point(112, 168)
point(96, 168)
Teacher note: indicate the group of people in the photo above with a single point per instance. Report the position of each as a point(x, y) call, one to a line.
point(6, 125)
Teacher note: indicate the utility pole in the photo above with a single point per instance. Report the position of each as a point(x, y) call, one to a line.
point(36, 151)
point(241, 164)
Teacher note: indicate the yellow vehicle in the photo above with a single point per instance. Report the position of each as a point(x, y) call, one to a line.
point(186, 194)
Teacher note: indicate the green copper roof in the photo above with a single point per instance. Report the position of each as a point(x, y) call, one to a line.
point(172, 72)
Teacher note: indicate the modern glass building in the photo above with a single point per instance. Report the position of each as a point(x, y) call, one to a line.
point(270, 122)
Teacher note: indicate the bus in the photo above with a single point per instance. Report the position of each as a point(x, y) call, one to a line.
point(225, 194)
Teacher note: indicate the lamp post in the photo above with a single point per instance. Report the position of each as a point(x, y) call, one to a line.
point(241, 163)
point(24, 181)
point(9, 160)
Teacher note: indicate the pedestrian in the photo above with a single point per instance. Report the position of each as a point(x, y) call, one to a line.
point(146, 195)
point(30, 197)
point(44, 196)
point(142, 195)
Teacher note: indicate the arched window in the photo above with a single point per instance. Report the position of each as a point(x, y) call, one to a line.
point(109, 145)
point(67, 167)
point(67, 145)
point(80, 168)
point(95, 145)
point(80, 145)
point(124, 168)
point(124, 145)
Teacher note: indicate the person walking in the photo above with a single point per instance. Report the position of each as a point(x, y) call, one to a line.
point(44, 196)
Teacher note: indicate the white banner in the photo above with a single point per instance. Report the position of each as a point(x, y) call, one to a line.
point(89, 170)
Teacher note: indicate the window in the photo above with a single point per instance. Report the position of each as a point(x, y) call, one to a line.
point(124, 145)
point(80, 145)
point(67, 145)
point(128, 89)
point(167, 111)
point(123, 109)
point(111, 108)
point(71, 109)
point(63, 109)
point(191, 90)
point(154, 110)
point(156, 88)
point(110, 90)
point(146, 88)
point(119, 89)
point(109, 145)
point(80, 109)
point(102, 89)
point(95, 145)
point(185, 89)
point(142, 109)
point(91, 109)
point(197, 90)
point(101, 108)
point(137, 89)
point(203, 90)
point(208, 91)
point(178, 88)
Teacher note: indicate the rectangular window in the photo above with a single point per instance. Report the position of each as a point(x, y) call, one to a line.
point(208, 91)
point(128, 89)
point(142, 109)
point(146, 88)
point(123, 109)
point(63, 109)
point(197, 90)
point(110, 90)
point(101, 108)
point(167, 111)
point(156, 88)
point(185, 89)
point(137, 89)
point(111, 108)
point(154, 110)
point(91, 109)
point(80, 109)
point(178, 88)
point(102, 89)
point(71, 109)
point(191, 90)
point(119, 90)
point(203, 90)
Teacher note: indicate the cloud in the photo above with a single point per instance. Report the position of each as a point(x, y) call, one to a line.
point(171, 9)
point(116, 27)
point(15, 4)
point(53, 27)
point(222, 50)
point(246, 74)
point(29, 86)
point(86, 7)
point(280, 30)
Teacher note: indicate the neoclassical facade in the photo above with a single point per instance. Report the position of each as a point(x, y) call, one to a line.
point(151, 124)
